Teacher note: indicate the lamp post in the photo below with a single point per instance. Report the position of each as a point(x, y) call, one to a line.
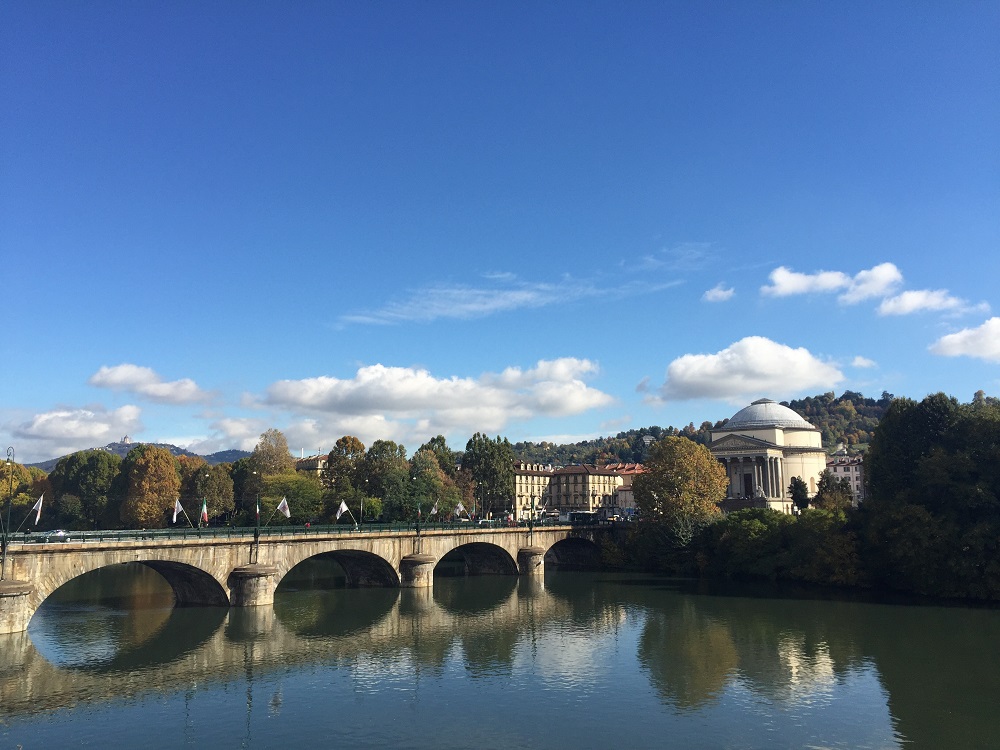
point(255, 555)
point(10, 503)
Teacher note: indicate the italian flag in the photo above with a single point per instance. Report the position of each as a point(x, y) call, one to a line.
point(204, 511)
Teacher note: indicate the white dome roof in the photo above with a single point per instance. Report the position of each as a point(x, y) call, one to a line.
point(766, 413)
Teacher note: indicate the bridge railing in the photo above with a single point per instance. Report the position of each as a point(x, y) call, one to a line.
point(247, 532)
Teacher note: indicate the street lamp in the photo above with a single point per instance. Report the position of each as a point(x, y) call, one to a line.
point(256, 528)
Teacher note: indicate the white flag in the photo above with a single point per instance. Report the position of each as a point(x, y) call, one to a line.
point(37, 507)
point(342, 509)
point(460, 508)
point(283, 507)
point(434, 509)
point(178, 508)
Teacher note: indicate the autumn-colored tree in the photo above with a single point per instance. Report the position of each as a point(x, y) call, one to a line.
point(431, 485)
point(271, 456)
point(152, 484)
point(680, 488)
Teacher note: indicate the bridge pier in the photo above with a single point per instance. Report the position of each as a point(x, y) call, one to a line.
point(14, 609)
point(416, 571)
point(252, 585)
point(531, 561)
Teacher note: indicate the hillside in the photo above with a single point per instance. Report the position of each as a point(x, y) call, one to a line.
point(850, 419)
point(122, 448)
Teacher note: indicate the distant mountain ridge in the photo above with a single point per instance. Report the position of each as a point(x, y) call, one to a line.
point(122, 447)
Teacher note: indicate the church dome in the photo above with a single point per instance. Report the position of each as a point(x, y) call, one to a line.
point(765, 413)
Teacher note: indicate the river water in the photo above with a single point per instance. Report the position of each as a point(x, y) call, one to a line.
point(574, 660)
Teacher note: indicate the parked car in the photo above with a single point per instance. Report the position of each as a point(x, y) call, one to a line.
point(55, 536)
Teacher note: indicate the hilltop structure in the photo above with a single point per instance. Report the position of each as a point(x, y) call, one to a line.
point(762, 447)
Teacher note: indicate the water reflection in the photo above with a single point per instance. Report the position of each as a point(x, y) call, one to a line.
point(575, 639)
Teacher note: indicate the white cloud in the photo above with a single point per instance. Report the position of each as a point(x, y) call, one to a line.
point(874, 282)
point(718, 293)
point(863, 362)
point(913, 301)
point(982, 342)
point(786, 282)
point(61, 431)
point(143, 381)
point(749, 368)
point(385, 400)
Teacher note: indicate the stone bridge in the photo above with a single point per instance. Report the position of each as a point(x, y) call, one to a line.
point(239, 572)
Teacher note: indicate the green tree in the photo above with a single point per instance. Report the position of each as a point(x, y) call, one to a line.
point(799, 492)
point(214, 485)
point(152, 485)
point(387, 477)
point(304, 493)
point(89, 476)
point(343, 467)
point(271, 455)
point(490, 463)
point(680, 488)
point(832, 492)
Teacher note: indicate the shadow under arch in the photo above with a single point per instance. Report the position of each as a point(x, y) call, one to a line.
point(360, 569)
point(476, 559)
point(192, 587)
point(574, 553)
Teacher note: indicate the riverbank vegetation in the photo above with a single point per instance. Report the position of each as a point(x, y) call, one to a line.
point(930, 524)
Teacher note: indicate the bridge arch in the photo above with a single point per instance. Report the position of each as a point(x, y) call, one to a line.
point(476, 559)
point(574, 553)
point(361, 568)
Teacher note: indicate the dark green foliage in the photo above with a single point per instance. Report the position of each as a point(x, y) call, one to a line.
point(490, 463)
point(832, 493)
point(90, 477)
point(799, 492)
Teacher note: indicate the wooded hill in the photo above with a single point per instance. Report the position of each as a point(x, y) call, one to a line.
point(849, 419)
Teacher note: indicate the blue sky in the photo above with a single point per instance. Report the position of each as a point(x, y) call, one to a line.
point(544, 221)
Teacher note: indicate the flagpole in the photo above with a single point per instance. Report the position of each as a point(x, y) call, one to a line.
point(187, 517)
point(34, 509)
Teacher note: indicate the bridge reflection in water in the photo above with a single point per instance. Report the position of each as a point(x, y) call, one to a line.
point(114, 633)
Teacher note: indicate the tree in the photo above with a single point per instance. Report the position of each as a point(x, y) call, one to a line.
point(431, 485)
point(799, 492)
point(152, 485)
point(271, 456)
point(304, 493)
point(214, 485)
point(387, 477)
point(680, 488)
point(445, 456)
point(343, 466)
point(832, 492)
point(491, 466)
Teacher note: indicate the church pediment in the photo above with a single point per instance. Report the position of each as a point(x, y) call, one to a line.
point(741, 443)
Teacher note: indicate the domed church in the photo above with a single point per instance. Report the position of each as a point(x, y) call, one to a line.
point(762, 447)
